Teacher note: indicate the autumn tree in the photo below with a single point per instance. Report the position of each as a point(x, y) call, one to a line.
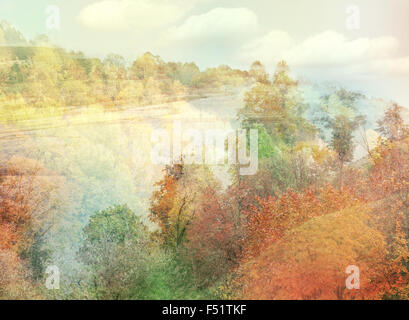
point(29, 209)
point(74, 87)
point(276, 110)
point(392, 126)
point(186, 73)
point(214, 237)
point(15, 281)
point(277, 106)
point(389, 175)
point(173, 205)
point(258, 72)
point(272, 217)
point(310, 260)
point(339, 114)
point(6, 61)
point(44, 75)
point(148, 66)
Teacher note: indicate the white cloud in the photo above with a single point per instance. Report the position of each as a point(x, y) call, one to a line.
point(135, 15)
point(333, 48)
point(229, 24)
point(266, 48)
point(328, 49)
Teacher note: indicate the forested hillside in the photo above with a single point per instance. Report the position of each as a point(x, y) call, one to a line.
point(72, 195)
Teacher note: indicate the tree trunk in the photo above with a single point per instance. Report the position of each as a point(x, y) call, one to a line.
point(341, 175)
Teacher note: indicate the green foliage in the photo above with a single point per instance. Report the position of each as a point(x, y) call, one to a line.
point(172, 278)
point(49, 77)
point(278, 106)
point(115, 247)
point(38, 255)
point(125, 263)
point(116, 225)
point(201, 240)
point(342, 137)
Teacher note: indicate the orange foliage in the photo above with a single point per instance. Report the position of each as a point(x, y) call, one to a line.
point(389, 188)
point(162, 202)
point(310, 261)
point(273, 217)
point(26, 201)
point(213, 237)
point(173, 206)
point(14, 278)
point(390, 173)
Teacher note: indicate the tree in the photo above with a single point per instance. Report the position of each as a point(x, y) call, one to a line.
point(173, 206)
point(45, 74)
point(6, 62)
point(342, 141)
point(187, 73)
point(276, 110)
point(310, 261)
point(116, 248)
point(28, 202)
point(74, 88)
point(14, 278)
point(278, 107)
point(148, 66)
point(273, 217)
point(392, 126)
point(258, 72)
point(116, 75)
point(283, 81)
point(29, 205)
point(213, 238)
point(388, 180)
point(115, 61)
point(340, 116)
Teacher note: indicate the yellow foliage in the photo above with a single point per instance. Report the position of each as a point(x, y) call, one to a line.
point(310, 261)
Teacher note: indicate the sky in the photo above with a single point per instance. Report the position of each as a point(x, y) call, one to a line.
point(360, 44)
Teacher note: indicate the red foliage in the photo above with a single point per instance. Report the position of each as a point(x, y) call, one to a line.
point(269, 221)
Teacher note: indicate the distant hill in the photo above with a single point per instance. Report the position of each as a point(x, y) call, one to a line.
point(10, 36)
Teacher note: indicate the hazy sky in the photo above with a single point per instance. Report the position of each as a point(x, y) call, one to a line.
point(362, 44)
